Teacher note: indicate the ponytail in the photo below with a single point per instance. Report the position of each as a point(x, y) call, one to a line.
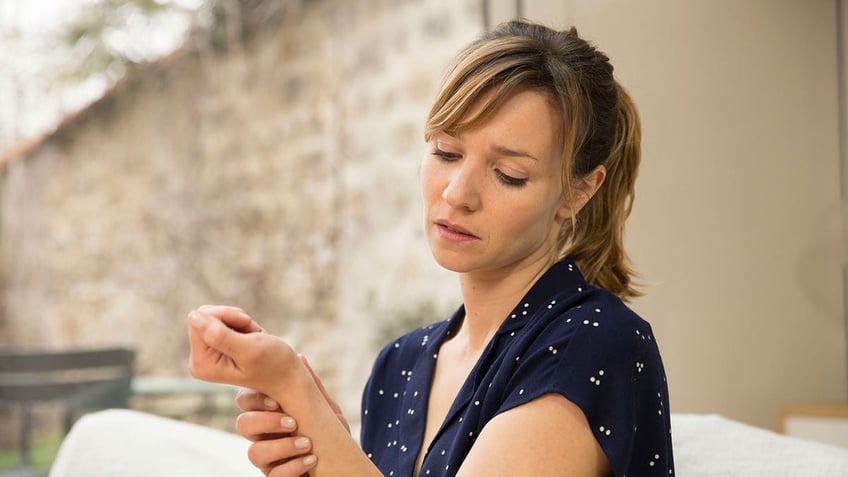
point(596, 240)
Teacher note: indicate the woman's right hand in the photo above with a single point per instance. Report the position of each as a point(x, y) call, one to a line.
point(277, 449)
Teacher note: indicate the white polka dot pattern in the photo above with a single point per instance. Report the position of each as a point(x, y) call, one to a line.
point(565, 337)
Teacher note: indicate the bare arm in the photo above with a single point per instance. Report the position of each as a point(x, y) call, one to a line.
point(224, 348)
point(547, 437)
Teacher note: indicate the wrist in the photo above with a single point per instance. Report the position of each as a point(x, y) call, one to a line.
point(293, 387)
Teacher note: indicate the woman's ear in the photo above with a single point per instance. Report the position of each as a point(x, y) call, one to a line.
point(584, 189)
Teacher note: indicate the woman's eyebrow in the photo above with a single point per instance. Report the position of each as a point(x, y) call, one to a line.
point(502, 150)
point(505, 151)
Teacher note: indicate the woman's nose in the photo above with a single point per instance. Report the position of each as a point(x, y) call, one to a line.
point(462, 190)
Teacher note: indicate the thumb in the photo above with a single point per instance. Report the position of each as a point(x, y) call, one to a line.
point(216, 334)
point(316, 379)
point(333, 404)
point(312, 373)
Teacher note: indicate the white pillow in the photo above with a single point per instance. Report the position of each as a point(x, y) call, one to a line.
point(711, 445)
point(125, 443)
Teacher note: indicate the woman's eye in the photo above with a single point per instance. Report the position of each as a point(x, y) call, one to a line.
point(510, 180)
point(446, 156)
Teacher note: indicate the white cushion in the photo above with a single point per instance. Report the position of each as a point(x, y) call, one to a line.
point(129, 443)
point(711, 445)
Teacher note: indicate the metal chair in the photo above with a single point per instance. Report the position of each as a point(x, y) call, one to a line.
point(80, 380)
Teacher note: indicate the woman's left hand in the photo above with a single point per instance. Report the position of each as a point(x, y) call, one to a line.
point(227, 346)
point(277, 450)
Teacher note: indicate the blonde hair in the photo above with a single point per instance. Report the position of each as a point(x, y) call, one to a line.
point(600, 127)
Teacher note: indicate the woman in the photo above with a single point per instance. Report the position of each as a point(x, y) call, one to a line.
point(543, 371)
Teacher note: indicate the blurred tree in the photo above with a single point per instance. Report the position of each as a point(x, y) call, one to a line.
point(108, 36)
point(111, 36)
point(235, 22)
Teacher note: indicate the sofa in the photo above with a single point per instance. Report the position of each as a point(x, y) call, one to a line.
point(129, 443)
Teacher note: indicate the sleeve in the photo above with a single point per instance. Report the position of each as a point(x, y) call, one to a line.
point(606, 362)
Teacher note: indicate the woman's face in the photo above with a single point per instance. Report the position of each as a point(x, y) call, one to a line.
point(493, 195)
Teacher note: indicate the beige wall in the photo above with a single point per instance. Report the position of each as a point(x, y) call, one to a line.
point(738, 216)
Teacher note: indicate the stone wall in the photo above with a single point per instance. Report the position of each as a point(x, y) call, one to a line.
point(280, 176)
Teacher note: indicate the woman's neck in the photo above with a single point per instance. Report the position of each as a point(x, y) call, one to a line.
point(488, 298)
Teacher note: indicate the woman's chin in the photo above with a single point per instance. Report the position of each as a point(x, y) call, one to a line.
point(450, 261)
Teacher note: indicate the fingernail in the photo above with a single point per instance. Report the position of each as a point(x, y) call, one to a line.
point(270, 403)
point(302, 443)
point(287, 423)
point(309, 460)
point(197, 319)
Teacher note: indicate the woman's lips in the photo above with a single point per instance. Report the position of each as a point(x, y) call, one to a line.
point(454, 233)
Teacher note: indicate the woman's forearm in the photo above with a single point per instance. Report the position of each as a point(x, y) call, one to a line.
point(337, 452)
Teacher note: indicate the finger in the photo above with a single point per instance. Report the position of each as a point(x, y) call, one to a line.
point(333, 404)
point(200, 350)
point(252, 400)
point(294, 467)
point(265, 425)
point(196, 324)
point(233, 317)
point(315, 378)
point(269, 453)
point(217, 350)
point(219, 336)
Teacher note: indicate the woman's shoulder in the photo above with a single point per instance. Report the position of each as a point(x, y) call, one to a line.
point(575, 335)
point(598, 315)
point(612, 310)
point(563, 302)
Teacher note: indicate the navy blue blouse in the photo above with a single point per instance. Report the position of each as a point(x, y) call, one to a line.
point(564, 337)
